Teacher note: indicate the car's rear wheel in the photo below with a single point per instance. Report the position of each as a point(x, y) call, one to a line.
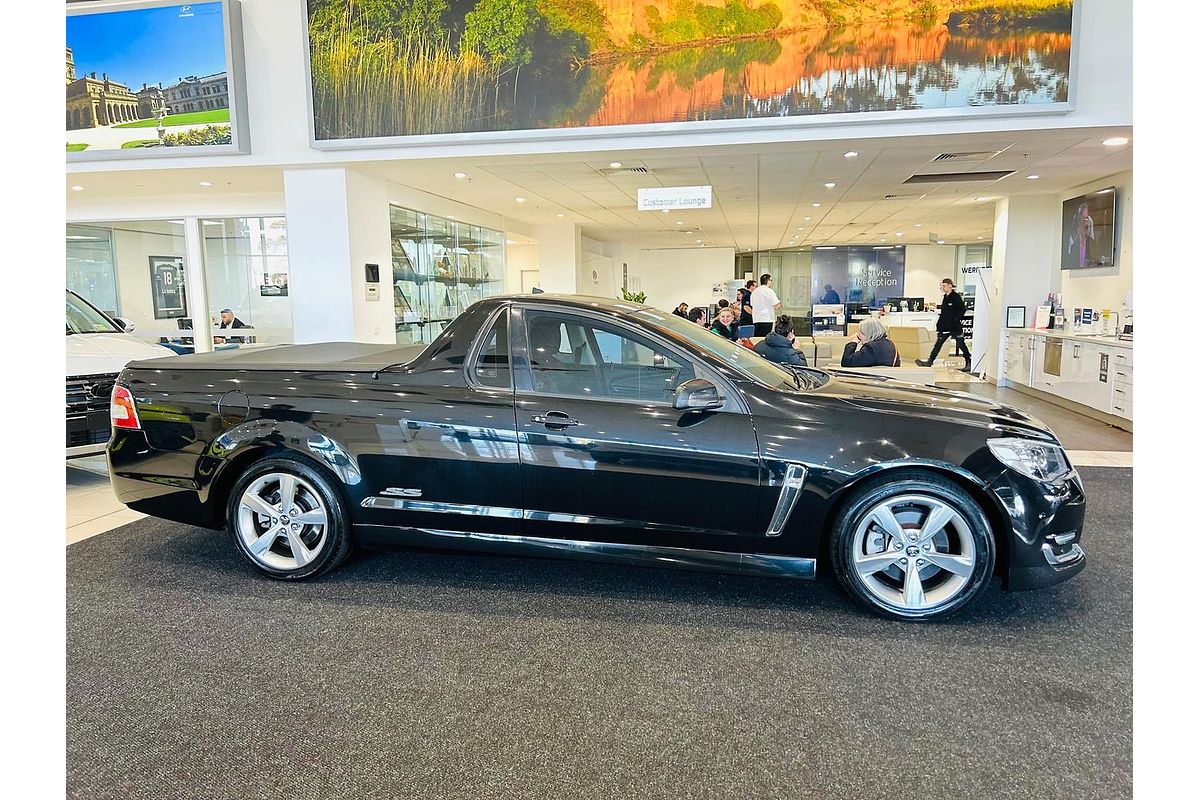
point(913, 546)
point(287, 520)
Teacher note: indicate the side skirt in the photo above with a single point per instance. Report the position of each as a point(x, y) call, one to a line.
point(614, 553)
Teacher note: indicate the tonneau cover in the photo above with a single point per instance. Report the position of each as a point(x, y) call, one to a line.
point(323, 357)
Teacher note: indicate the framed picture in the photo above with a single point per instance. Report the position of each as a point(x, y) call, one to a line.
point(154, 78)
point(167, 287)
point(1015, 317)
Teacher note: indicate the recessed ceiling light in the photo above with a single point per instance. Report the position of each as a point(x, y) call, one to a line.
point(941, 241)
point(687, 231)
point(1032, 177)
point(830, 185)
point(666, 211)
point(816, 205)
point(698, 241)
point(806, 219)
point(678, 222)
point(519, 199)
point(206, 183)
point(615, 164)
point(978, 237)
point(77, 188)
point(1116, 141)
point(560, 216)
point(980, 199)
point(460, 174)
point(917, 225)
point(883, 240)
point(850, 154)
point(800, 228)
point(899, 233)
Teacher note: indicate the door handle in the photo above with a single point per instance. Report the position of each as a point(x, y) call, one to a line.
point(555, 420)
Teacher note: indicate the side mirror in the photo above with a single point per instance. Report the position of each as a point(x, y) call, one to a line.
point(697, 394)
point(124, 324)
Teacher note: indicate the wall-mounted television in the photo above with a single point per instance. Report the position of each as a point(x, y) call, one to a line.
point(1089, 230)
point(154, 78)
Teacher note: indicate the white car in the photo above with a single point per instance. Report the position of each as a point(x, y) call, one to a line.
point(98, 347)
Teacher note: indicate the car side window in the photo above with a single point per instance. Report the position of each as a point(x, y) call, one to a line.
point(583, 358)
point(492, 366)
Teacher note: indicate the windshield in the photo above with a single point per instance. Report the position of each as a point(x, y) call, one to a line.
point(736, 356)
point(82, 318)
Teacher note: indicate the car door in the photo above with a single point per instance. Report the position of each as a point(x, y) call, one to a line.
point(447, 456)
point(604, 453)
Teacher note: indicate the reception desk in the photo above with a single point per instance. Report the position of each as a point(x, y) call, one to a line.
point(1091, 374)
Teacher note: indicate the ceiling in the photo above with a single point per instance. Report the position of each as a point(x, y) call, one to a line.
point(764, 196)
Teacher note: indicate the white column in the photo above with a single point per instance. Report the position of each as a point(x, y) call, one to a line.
point(560, 256)
point(1024, 255)
point(196, 277)
point(337, 222)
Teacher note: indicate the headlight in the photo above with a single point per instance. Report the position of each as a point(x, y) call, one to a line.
point(1038, 460)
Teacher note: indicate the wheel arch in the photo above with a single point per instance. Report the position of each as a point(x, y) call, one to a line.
point(243, 446)
point(992, 509)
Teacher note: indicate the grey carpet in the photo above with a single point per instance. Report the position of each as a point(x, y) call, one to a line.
point(436, 675)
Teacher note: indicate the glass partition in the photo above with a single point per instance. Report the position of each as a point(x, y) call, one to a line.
point(439, 268)
point(133, 269)
point(246, 268)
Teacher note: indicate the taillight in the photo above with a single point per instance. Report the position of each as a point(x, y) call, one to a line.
point(122, 411)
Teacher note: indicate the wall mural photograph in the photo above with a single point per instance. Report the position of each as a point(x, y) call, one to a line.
point(147, 77)
point(408, 67)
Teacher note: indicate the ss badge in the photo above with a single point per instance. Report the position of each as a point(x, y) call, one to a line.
point(395, 491)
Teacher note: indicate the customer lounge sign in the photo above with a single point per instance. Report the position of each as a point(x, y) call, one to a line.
point(674, 197)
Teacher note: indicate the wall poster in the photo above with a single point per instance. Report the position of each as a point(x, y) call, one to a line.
point(392, 68)
point(167, 287)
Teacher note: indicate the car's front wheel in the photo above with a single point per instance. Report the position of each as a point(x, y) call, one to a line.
point(287, 520)
point(912, 546)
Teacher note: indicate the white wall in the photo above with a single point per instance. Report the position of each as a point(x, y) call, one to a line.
point(560, 256)
point(1102, 288)
point(519, 258)
point(671, 277)
point(131, 251)
point(924, 267)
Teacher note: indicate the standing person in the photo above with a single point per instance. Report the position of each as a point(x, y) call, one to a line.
point(746, 318)
point(949, 324)
point(681, 310)
point(723, 325)
point(764, 304)
point(830, 298)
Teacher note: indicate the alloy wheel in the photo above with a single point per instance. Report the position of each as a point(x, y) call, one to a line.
point(913, 552)
point(282, 521)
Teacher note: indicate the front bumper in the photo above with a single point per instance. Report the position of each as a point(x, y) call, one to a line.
point(1047, 525)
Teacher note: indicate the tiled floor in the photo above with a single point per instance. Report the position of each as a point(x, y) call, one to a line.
point(91, 506)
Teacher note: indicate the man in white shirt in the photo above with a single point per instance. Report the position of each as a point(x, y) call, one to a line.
point(765, 305)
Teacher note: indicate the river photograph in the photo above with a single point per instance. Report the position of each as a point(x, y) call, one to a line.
point(408, 67)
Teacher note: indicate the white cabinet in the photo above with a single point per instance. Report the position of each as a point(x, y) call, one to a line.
point(1018, 357)
point(1121, 375)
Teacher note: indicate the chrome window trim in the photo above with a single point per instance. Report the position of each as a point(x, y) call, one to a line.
point(789, 494)
point(477, 346)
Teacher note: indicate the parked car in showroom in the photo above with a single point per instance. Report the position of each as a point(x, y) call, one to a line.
point(98, 347)
point(592, 428)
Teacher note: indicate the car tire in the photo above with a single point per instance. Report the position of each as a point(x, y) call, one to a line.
point(288, 520)
point(912, 546)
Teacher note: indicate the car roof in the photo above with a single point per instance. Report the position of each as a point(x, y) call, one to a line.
point(575, 300)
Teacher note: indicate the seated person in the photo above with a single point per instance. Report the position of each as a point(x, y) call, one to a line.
point(228, 320)
point(871, 347)
point(778, 345)
point(723, 325)
point(698, 315)
point(681, 310)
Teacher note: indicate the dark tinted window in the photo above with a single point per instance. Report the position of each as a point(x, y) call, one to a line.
point(580, 357)
point(492, 367)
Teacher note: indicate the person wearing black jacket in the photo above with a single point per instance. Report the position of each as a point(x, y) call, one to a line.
point(747, 316)
point(871, 347)
point(778, 345)
point(949, 325)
